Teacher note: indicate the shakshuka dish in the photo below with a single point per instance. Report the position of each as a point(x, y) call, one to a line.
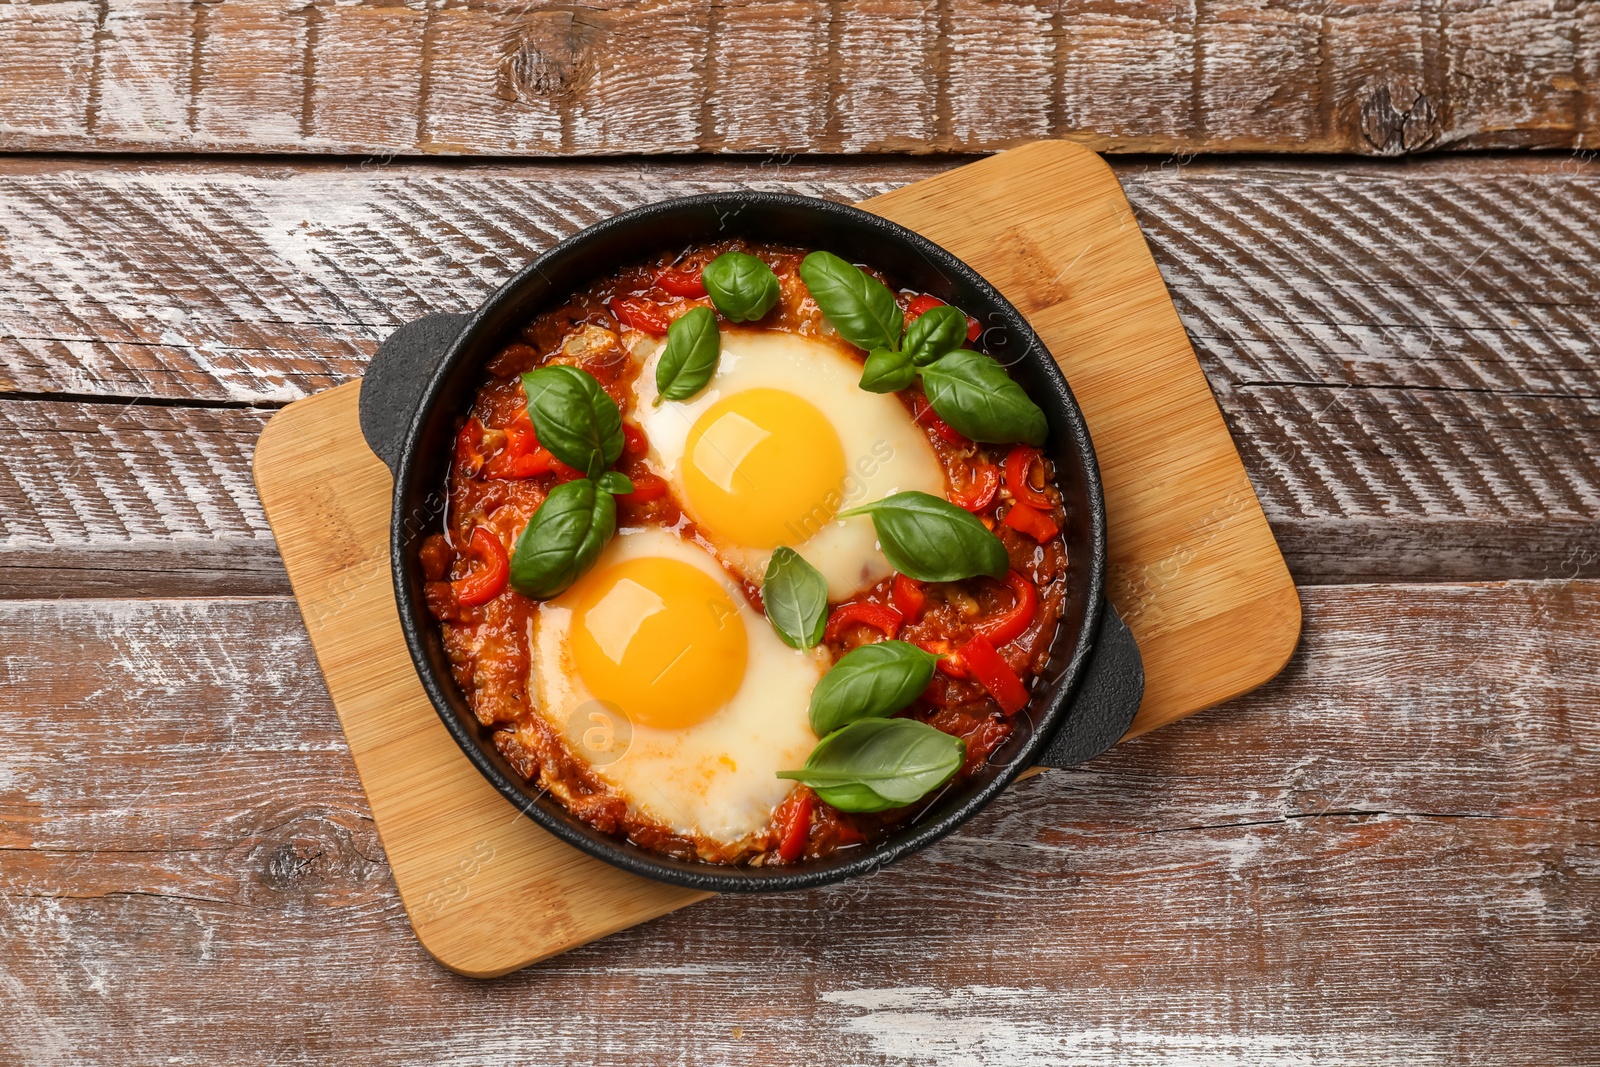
point(748, 554)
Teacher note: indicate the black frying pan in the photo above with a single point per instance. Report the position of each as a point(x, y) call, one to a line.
point(422, 380)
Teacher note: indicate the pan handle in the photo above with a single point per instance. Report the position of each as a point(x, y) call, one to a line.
point(395, 379)
point(1112, 688)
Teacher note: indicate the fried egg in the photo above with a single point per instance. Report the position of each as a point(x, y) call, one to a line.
point(777, 444)
point(657, 642)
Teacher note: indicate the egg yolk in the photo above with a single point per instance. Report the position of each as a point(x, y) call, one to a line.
point(660, 639)
point(763, 468)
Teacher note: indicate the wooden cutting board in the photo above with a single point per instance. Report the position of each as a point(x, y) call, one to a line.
point(1194, 567)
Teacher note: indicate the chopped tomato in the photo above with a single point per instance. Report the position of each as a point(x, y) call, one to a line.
point(640, 314)
point(682, 282)
point(1019, 477)
point(974, 329)
point(435, 557)
point(469, 460)
point(1008, 626)
point(979, 492)
point(634, 443)
point(564, 473)
point(1031, 521)
point(907, 597)
point(991, 668)
point(983, 739)
point(797, 830)
point(522, 457)
point(862, 613)
point(646, 487)
point(490, 570)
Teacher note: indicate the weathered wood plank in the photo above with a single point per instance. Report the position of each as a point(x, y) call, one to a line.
point(264, 284)
point(1389, 853)
point(126, 499)
point(1407, 361)
point(1378, 77)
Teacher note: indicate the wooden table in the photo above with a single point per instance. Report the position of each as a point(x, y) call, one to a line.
point(1390, 854)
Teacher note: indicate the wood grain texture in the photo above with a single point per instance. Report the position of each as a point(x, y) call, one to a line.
point(1192, 565)
point(1377, 77)
point(1447, 370)
point(118, 499)
point(1405, 357)
point(1390, 853)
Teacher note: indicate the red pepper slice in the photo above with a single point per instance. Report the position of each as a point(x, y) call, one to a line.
point(991, 668)
point(798, 829)
point(1031, 521)
point(920, 305)
point(646, 487)
point(1019, 468)
point(490, 571)
point(634, 443)
point(1009, 625)
point(978, 493)
point(923, 412)
point(864, 613)
point(681, 282)
point(469, 460)
point(907, 597)
point(949, 662)
point(640, 314)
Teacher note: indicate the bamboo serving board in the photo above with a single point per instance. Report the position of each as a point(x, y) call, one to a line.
point(1195, 570)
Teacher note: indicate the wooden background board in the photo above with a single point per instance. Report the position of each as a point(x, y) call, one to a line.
point(1377, 77)
point(1388, 854)
point(1194, 567)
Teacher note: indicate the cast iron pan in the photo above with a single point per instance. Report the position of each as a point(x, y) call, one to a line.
point(421, 383)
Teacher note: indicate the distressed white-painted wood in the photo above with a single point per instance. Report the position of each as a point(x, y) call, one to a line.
point(1390, 853)
point(1407, 360)
point(492, 77)
point(120, 499)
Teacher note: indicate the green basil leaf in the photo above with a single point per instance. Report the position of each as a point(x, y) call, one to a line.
point(870, 682)
point(796, 598)
point(856, 798)
point(563, 539)
point(898, 760)
point(860, 307)
point(741, 286)
point(935, 332)
point(976, 396)
point(574, 418)
point(693, 346)
point(614, 482)
point(887, 371)
point(932, 540)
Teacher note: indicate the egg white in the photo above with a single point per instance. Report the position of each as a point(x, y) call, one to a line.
point(885, 452)
point(715, 779)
